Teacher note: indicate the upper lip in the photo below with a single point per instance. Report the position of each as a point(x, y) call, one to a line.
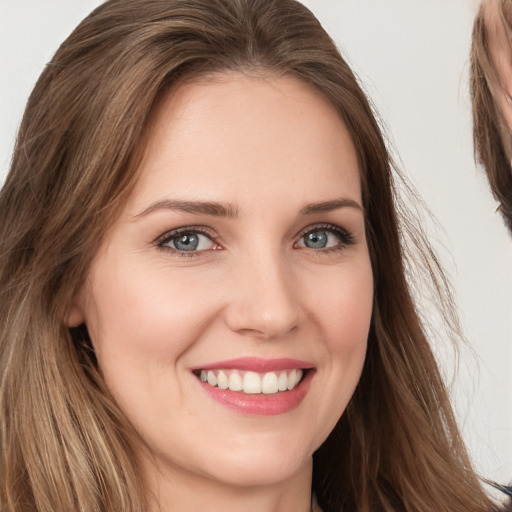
point(258, 365)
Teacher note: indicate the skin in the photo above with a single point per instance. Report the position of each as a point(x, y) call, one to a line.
point(266, 147)
point(500, 51)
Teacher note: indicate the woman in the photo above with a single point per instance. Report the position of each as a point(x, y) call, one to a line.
point(491, 88)
point(204, 296)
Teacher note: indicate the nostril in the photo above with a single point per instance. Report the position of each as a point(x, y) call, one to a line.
point(256, 333)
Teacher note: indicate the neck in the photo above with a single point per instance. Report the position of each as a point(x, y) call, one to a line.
point(171, 490)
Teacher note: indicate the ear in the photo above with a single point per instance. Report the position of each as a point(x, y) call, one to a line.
point(75, 315)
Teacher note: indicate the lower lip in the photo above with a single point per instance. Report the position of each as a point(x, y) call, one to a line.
point(261, 404)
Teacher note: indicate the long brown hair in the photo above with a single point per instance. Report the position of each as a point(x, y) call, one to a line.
point(491, 136)
point(65, 445)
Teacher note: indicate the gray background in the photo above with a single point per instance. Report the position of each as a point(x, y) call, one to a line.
point(412, 57)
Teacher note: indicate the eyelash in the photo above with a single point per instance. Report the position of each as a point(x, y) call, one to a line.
point(189, 230)
point(346, 239)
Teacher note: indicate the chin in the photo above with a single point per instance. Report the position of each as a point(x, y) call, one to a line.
point(261, 464)
point(262, 474)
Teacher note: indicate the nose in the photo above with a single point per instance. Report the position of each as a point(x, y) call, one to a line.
point(264, 298)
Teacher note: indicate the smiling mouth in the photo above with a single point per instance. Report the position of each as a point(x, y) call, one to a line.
point(253, 383)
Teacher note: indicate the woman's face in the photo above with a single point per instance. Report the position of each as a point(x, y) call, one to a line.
point(229, 306)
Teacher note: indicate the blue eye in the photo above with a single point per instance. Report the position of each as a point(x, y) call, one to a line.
point(329, 237)
point(187, 241)
point(316, 239)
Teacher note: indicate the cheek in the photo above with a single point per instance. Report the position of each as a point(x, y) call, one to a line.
point(345, 320)
point(344, 307)
point(141, 322)
point(135, 314)
point(344, 310)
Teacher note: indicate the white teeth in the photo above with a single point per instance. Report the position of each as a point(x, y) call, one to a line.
point(282, 382)
point(292, 379)
point(222, 380)
point(269, 383)
point(212, 380)
point(251, 382)
point(235, 382)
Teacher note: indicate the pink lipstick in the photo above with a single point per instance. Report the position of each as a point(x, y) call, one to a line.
point(257, 386)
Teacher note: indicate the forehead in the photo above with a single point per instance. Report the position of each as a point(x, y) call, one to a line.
point(231, 133)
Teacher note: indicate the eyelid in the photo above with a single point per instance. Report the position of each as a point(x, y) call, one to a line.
point(168, 235)
point(346, 237)
point(324, 225)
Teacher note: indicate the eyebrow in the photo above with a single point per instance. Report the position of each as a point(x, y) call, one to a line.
point(231, 211)
point(327, 206)
point(197, 207)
